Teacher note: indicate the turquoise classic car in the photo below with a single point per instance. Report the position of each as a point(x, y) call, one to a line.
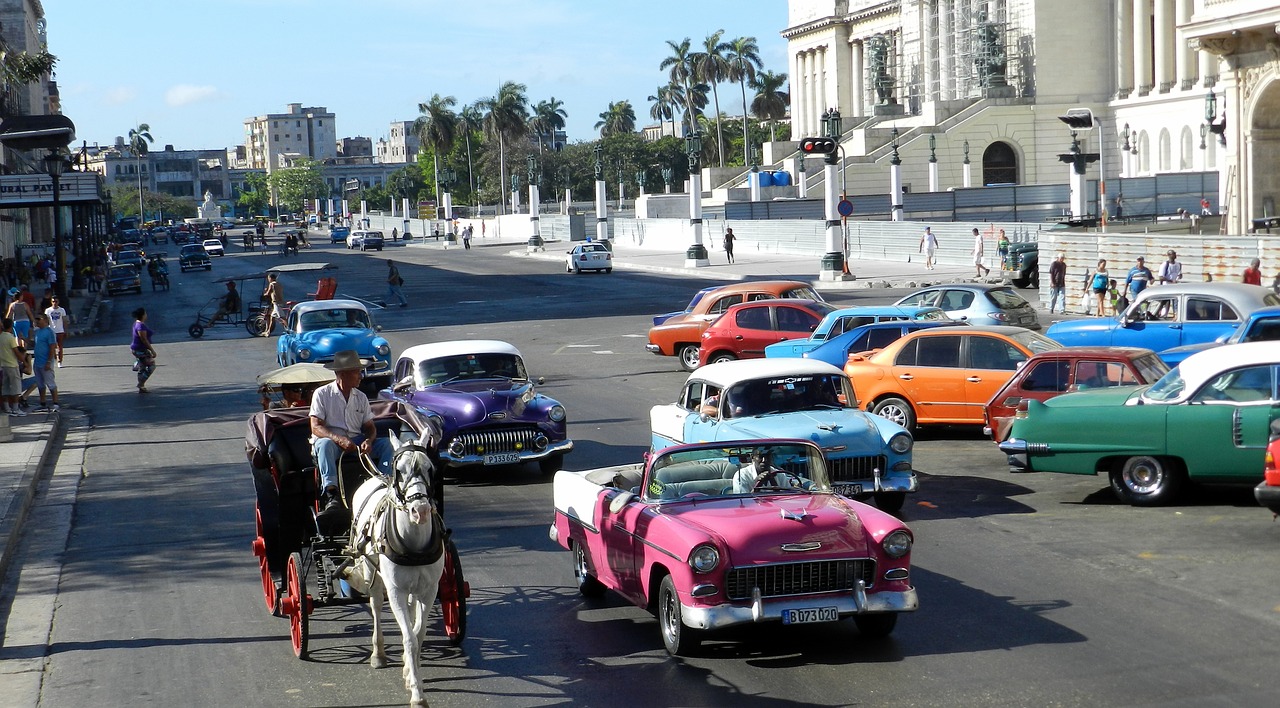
point(843, 320)
point(1207, 420)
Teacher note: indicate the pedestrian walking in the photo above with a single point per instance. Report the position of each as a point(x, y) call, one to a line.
point(394, 283)
point(1139, 277)
point(729, 238)
point(1119, 207)
point(57, 323)
point(1058, 282)
point(1253, 274)
point(1095, 284)
point(12, 358)
point(466, 238)
point(19, 315)
point(44, 356)
point(143, 350)
point(394, 235)
point(274, 294)
point(1171, 270)
point(977, 255)
point(928, 246)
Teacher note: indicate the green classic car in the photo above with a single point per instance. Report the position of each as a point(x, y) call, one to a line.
point(1207, 420)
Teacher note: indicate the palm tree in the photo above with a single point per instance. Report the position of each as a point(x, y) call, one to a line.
point(744, 62)
point(506, 117)
point(663, 108)
point(619, 119)
point(711, 67)
point(548, 117)
point(680, 69)
point(771, 100)
point(139, 138)
point(437, 126)
point(470, 120)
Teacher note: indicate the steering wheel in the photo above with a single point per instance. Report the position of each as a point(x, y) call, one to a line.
point(775, 477)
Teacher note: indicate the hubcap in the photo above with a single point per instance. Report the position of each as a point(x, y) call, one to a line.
point(1144, 478)
point(893, 413)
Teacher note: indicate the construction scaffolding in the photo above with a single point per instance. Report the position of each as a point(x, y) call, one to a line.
point(972, 48)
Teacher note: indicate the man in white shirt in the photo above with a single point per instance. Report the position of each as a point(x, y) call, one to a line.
point(342, 421)
point(58, 323)
point(1171, 270)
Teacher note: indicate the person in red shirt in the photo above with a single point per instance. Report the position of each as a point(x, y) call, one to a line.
point(1252, 274)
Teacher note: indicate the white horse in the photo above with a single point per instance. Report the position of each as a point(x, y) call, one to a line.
point(397, 541)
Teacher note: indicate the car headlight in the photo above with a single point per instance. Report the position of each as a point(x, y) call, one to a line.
point(556, 414)
point(704, 559)
point(901, 443)
point(304, 354)
point(384, 350)
point(897, 544)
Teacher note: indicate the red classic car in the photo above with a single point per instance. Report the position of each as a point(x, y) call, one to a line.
point(743, 331)
point(1059, 371)
point(712, 535)
point(1268, 490)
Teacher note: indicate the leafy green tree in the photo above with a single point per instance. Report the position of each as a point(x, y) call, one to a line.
point(665, 101)
point(470, 122)
point(743, 56)
point(771, 100)
point(506, 119)
point(22, 68)
point(711, 67)
point(679, 66)
point(139, 139)
point(437, 127)
point(256, 195)
point(620, 118)
point(548, 117)
point(294, 185)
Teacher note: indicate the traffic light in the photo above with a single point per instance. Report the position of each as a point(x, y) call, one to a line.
point(818, 146)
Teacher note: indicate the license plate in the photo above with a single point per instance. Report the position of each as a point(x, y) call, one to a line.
point(848, 490)
point(505, 458)
point(808, 615)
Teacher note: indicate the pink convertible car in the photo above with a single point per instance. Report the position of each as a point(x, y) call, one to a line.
point(712, 535)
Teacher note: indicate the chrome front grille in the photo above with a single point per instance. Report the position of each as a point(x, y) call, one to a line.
point(490, 441)
point(782, 579)
point(852, 469)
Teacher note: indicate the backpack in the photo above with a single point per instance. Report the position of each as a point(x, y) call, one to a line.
point(1099, 282)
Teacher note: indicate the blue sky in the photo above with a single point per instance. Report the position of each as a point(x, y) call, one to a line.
point(195, 70)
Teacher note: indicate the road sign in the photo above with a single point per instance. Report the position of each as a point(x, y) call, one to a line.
point(845, 207)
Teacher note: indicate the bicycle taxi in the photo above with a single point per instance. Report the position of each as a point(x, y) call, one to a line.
point(253, 315)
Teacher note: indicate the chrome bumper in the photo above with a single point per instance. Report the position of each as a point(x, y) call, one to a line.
point(857, 602)
point(898, 482)
point(653, 349)
point(525, 456)
point(1019, 453)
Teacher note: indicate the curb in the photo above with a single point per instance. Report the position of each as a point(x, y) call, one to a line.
point(32, 472)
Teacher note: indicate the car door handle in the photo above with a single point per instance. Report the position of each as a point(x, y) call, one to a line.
point(738, 337)
point(906, 377)
point(1175, 326)
point(974, 379)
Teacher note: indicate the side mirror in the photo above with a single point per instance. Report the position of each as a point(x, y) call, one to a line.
point(1123, 321)
point(403, 385)
point(377, 328)
point(541, 381)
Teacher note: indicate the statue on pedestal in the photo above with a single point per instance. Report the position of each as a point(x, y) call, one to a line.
point(209, 210)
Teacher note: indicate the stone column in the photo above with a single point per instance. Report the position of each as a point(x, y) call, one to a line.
point(820, 77)
point(813, 102)
point(946, 49)
point(857, 79)
point(797, 114)
point(1208, 68)
point(928, 50)
point(1124, 49)
point(1163, 45)
point(1141, 48)
point(602, 211)
point(1184, 57)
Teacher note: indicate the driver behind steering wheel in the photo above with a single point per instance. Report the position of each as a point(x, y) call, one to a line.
point(744, 480)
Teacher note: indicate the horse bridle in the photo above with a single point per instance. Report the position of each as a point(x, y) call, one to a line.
point(401, 500)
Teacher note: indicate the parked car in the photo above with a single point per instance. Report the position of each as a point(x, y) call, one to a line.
point(977, 303)
point(589, 256)
point(481, 396)
point(130, 256)
point(1207, 421)
point(1021, 264)
point(193, 256)
point(942, 375)
point(837, 350)
point(159, 235)
point(1060, 371)
point(318, 329)
point(744, 331)
point(783, 398)
point(339, 234)
point(365, 240)
point(697, 297)
point(1169, 316)
point(845, 319)
point(123, 277)
point(686, 535)
point(1268, 490)
point(213, 247)
point(1261, 325)
point(681, 335)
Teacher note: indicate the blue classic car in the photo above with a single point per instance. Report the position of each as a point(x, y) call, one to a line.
point(1260, 326)
point(836, 350)
point(697, 297)
point(480, 395)
point(1169, 316)
point(867, 456)
point(843, 320)
point(319, 329)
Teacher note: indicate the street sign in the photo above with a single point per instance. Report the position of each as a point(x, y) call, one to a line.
point(845, 207)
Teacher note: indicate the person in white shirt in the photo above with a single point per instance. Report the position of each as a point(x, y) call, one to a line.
point(342, 421)
point(1171, 270)
point(58, 323)
point(928, 246)
point(977, 255)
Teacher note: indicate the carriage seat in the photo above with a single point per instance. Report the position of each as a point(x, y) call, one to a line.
point(290, 455)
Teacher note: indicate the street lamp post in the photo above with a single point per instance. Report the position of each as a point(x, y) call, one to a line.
point(602, 201)
point(1216, 126)
point(696, 255)
point(895, 178)
point(933, 163)
point(447, 176)
point(802, 189)
point(833, 264)
point(56, 165)
point(968, 171)
point(754, 179)
point(535, 238)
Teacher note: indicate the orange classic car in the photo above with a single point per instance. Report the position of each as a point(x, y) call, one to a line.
point(944, 375)
point(681, 335)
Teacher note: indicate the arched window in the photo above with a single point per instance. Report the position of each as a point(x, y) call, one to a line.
point(1166, 150)
point(999, 164)
point(1144, 154)
point(1186, 156)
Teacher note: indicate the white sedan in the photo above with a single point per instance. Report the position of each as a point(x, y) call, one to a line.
point(213, 247)
point(589, 256)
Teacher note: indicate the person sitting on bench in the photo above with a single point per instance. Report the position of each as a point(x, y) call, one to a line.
point(230, 304)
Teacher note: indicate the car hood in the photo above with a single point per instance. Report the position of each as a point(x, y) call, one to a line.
point(755, 529)
point(330, 341)
point(468, 402)
point(850, 428)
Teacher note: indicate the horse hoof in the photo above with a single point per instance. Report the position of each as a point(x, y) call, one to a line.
point(418, 704)
point(378, 662)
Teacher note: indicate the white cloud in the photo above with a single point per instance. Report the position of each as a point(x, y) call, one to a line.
point(120, 95)
point(184, 94)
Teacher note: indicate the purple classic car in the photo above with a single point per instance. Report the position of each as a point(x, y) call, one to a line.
point(712, 535)
point(481, 396)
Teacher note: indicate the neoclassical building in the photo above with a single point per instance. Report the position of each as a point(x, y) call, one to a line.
point(987, 80)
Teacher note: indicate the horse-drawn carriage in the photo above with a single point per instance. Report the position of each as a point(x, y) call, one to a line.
point(310, 558)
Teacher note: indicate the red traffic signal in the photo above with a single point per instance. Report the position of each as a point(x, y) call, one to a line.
point(818, 146)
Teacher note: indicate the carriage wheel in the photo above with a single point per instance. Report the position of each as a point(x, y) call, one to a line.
point(196, 331)
point(453, 595)
point(269, 590)
point(256, 324)
point(296, 604)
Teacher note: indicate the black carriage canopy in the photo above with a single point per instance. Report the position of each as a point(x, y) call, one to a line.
point(265, 425)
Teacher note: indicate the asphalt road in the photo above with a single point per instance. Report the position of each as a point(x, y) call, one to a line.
point(1034, 589)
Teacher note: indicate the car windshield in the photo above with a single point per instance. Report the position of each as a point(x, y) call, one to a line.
point(335, 318)
point(191, 250)
point(803, 293)
point(123, 271)
point(593, 248)
point(788, 394)
point(1151, 367)
point(1006, 299)
point(1034, 341)
point(498, 365)
point(775, 468)
point(1168, 388)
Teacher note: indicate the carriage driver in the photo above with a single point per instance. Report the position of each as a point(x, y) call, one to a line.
point(342, 421)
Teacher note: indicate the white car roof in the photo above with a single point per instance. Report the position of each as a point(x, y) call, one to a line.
point(435, 350)
point(313, 305)
point(1202, 366)
point(732, 372)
